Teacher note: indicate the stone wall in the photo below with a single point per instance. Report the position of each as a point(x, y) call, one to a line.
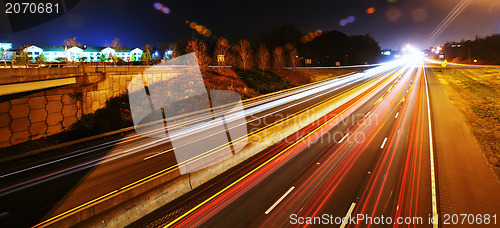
point(52, 111)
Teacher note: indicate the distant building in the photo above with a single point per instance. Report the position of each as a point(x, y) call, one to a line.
point(52, 53)
point(6, 52)
point(79, 54)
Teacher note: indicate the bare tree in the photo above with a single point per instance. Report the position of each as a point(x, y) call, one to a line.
point(200, 49)
point(263, 57)
point(278, 57)
point(294, 57)
point(244, 53)
point(116, 44)
point(173, 47)
point(222, 53)
point(71, 42)
point(117, 47)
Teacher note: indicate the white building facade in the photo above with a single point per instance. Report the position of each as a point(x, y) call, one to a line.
point(80, 54)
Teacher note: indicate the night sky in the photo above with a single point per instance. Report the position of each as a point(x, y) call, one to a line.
point(393, 23)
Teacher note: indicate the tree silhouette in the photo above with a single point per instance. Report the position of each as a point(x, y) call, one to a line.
point(244, 54)
point(200, 49)
point(263, 57)
point(71, 42)
point(278, 58)
point(293, 55)
point(222, 49)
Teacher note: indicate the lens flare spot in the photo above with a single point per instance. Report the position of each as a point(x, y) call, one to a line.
point(346, 21)
point(161, 8)
point(193, 25)
point(165, 10)
point(157, 5)
point(419, 15)
point(393, 14)
point(494, 9)
point(318, 32)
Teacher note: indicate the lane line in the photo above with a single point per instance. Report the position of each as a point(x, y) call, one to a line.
point(279, 200)
point(345, 221)
point(385, 140)
point(431, 151)
point(396, 115)
point(367, 114)
point(343, 138)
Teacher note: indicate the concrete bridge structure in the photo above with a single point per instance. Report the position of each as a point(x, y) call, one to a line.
point(39, 102)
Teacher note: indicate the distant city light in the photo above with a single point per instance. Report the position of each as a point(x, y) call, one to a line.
point(370, 10)
point(169, 52)
point(386, 53)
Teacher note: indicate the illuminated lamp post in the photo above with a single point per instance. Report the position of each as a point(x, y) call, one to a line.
point(220, 59)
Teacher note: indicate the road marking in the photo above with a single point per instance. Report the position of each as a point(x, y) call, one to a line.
point(383, 143)
point(157, 154)
point(403, 100)
point(348, 215)
point(279, 200)
point(343, 138)
point(367, 114)
point(431, 151)
point(396, 115)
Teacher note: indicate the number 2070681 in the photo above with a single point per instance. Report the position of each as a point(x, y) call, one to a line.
point(31, 8)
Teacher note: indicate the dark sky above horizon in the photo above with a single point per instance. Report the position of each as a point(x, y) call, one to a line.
point(136, 22)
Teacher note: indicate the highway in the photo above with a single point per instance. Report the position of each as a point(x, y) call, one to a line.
point(369, 159)
point(47, 190)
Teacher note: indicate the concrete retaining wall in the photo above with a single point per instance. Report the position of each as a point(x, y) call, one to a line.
point(52, 111)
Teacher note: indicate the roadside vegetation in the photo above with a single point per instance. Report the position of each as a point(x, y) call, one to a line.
point(476, 93)
point(482, 49)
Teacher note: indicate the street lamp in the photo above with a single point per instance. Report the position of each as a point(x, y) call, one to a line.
point(220, 59)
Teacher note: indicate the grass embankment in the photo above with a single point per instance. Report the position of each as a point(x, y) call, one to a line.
point(476, 93)
point(320, 74)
